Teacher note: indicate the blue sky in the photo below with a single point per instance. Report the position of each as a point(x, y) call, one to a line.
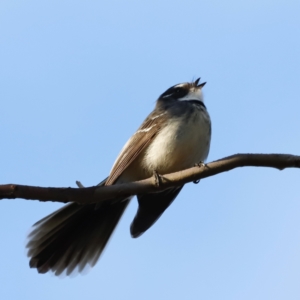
point(76, 80)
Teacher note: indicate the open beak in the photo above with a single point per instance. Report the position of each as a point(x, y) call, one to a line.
point(201, 85)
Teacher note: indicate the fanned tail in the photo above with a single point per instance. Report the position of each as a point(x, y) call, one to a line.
point(73, 236)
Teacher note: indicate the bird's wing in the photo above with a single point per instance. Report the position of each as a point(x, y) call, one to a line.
point(136, 144)
point(151, 207)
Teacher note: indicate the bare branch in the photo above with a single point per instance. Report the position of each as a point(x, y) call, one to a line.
point(97, 194)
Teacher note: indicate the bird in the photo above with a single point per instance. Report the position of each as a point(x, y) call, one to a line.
point(175, 136)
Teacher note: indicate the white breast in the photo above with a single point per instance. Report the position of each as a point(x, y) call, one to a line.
point(180, 144)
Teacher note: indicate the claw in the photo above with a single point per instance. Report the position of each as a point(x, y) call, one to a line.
point(199, 164)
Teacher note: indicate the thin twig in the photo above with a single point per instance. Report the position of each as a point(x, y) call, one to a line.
point(97, 194)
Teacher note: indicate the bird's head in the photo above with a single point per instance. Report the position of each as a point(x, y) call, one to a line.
point(184, 92)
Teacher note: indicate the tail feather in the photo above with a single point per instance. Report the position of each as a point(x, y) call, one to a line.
point(73, 236)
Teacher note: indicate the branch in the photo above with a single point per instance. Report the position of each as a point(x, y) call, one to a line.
point(97, 194)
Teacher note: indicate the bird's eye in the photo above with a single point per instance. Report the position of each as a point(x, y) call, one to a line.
point(175, 92)
point(179, 92)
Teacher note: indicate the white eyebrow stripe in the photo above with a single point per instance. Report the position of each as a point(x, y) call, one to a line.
point(145, 129)
point(180, 85)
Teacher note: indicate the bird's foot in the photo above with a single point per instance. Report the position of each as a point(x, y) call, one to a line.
point(200, 164)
